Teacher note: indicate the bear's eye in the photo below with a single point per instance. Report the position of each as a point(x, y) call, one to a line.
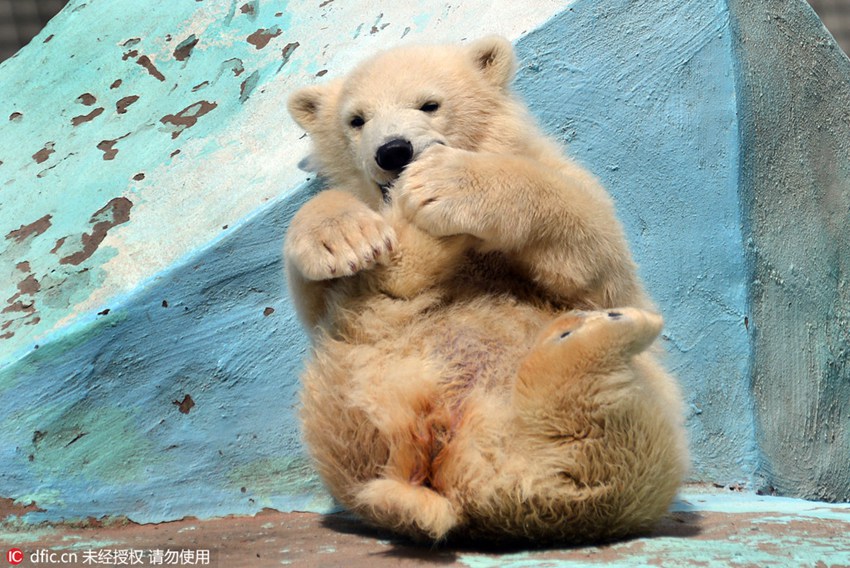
point(356, 121)
point(430, 106)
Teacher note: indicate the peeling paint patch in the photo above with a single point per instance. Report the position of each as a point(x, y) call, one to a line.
point(235, 65)
point(378, 26)
point(187, 117)
point(184, 49)
point(114, 213)
point(42, 155)
point(261, 38)
point(58, 245)
point(108, 149)
point(287, 53)
point(20, 307)
point(185, 405)
point(77, 120)
point(122, 104)
point(12, 508)
point(87, 99)
point(251, 9)
point(35, 228)
point(29, 285)
point(248, 86)
point(26, 287)
point(146, 62)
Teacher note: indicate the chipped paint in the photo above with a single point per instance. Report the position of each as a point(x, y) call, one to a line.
point(114, 213)
point(34, 229)
point(140, 78)
point(124, 102)
point(187, 117)
point(261, 38)
point(186, 405)
point(184, 49)
point(146, 62)
point(87, 99)
point(43, 154)
point(77, 120)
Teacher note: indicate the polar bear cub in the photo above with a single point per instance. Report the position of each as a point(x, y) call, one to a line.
point(473, 370)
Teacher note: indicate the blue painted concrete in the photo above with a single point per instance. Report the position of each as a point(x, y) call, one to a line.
point(124, 113)
point(96, 427)
point(648, 95)
point(795, 194)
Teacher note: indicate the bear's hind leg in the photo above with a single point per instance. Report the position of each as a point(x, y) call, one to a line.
point(604, 334)
point(582, 346)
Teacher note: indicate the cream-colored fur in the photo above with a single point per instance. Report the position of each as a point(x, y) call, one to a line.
point(454, 388)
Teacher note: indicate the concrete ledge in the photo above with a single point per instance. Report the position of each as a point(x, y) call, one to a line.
point(706, 528)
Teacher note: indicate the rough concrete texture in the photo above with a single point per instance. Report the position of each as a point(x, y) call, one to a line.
point(149, 357)
point(704, 530)
point(795, 194)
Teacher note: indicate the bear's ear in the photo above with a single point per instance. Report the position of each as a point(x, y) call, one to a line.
point(494, 57)
point(305, 103)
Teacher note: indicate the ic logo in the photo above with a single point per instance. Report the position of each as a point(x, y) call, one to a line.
point(15, 556)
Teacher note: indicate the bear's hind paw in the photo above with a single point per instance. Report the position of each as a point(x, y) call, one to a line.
point(410, 509)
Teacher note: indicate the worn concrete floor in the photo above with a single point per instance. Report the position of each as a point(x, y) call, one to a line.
point(707, 528)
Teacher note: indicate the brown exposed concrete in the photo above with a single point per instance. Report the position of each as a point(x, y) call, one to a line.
point(698, 537)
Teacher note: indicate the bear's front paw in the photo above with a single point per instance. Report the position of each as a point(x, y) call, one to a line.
point(325, 247)
point(436, 194)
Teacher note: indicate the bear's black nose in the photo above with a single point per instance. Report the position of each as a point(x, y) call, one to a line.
point(394, 155)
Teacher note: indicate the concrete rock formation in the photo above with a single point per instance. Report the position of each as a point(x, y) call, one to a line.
point(148, 171)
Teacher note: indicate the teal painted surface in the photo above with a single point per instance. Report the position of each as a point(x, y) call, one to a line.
point(106, 99)
point(97, 427)
point(185, 247)
point(795, 185)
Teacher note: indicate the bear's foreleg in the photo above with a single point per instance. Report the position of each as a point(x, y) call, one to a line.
point(553, 219)
point(332, 235)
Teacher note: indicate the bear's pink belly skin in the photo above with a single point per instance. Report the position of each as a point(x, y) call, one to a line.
point(472, 348)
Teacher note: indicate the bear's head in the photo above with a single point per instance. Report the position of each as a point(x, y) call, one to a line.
point(367, 126)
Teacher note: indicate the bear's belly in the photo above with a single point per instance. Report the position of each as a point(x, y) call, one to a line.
point(414, 382)
point(469, 345)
